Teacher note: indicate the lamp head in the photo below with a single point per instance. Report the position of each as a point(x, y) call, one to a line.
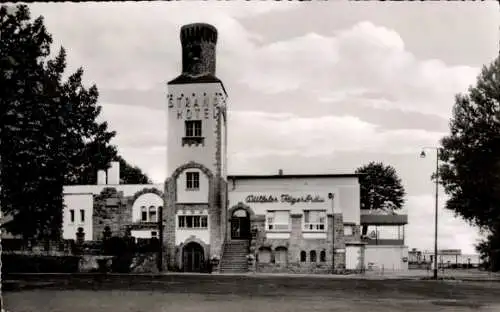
point(330, 195)
point(422, 154)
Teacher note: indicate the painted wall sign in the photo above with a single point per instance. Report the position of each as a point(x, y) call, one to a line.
point(284, 198)
point(187, 106)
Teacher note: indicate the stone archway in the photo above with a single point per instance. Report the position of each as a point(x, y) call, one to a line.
point(240, 225)
point(239, 222)
point(193, 257)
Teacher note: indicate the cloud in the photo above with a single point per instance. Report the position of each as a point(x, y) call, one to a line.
point(136, 126)
point(288, 134)
point(142, 39)
point(364, 58)
point(350, 66)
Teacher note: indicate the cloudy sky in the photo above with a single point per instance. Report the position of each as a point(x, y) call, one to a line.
point(314, 87)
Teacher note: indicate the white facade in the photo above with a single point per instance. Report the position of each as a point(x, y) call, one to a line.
point(183, 234)
point(148, 203)
point(192, 195)
point(188, 102)
point(345, 192)
point(388, 258)
point(77, 205)
point(353, 257)
point(81, 197)
point(143, 233)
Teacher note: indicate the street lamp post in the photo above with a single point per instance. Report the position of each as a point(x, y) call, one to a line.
point(422, 155)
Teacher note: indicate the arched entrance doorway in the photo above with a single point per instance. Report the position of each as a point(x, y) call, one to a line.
point(193, 258)
point(240, 224)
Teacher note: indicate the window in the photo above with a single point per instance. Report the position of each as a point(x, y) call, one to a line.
point(144, 214)
point(278, 220)
point(314, 220)
point(154, 234)
point(204, 222)
point(152, 214)
point(303, 256)
point(193, 128)
point(193, 222)
point(72, 215)
point(322, 256)
point(192, 180)
point(82, 215)
point(149, 214)
point(348, 230)
point(312, 255)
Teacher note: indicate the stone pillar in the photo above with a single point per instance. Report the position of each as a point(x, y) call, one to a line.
point(215, 209)
point(295, 239)
point(169, 256)
point(339, 242)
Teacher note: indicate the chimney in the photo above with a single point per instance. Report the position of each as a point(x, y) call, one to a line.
point(101, 177)
point(114, 173)
point(280, 172)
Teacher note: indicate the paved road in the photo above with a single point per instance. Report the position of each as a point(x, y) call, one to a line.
point(193, 292)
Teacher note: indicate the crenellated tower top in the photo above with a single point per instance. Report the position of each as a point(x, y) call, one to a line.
point(198, 42)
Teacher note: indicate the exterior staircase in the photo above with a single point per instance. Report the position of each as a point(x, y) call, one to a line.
point(234, 257)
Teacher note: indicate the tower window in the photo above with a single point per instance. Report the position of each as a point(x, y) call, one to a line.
point(193, 128)
point(72, 215)
point(192, 180)
point(82, 215)
point(193, 222)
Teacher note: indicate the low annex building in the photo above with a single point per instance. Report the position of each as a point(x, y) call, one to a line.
point(273, 223)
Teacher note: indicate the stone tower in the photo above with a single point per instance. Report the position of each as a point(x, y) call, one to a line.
point(196, 190)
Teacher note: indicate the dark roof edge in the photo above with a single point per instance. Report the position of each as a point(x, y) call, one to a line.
point(185, 79)
point(292, 176)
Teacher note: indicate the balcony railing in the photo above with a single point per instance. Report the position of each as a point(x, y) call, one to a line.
point(314, 227)
point(278, 227)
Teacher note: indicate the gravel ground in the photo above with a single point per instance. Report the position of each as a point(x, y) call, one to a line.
point(191, 292)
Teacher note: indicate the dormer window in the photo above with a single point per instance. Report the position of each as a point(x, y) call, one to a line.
point(193, 135)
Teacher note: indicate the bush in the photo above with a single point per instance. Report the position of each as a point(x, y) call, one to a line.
point(16, 263)
point(122, 249)
point(13, 244)
point(146, 245)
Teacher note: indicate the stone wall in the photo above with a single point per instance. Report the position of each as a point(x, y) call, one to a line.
point(111, 209)
point(297, 244)
point(223, 216)
point(356, 234)
point(169, 259)
point(339, 243)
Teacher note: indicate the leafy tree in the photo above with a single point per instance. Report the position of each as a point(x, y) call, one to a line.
point(131, 174)
point(470, 173)
point(49, 133)
point(32, 119)
point(380, 187)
